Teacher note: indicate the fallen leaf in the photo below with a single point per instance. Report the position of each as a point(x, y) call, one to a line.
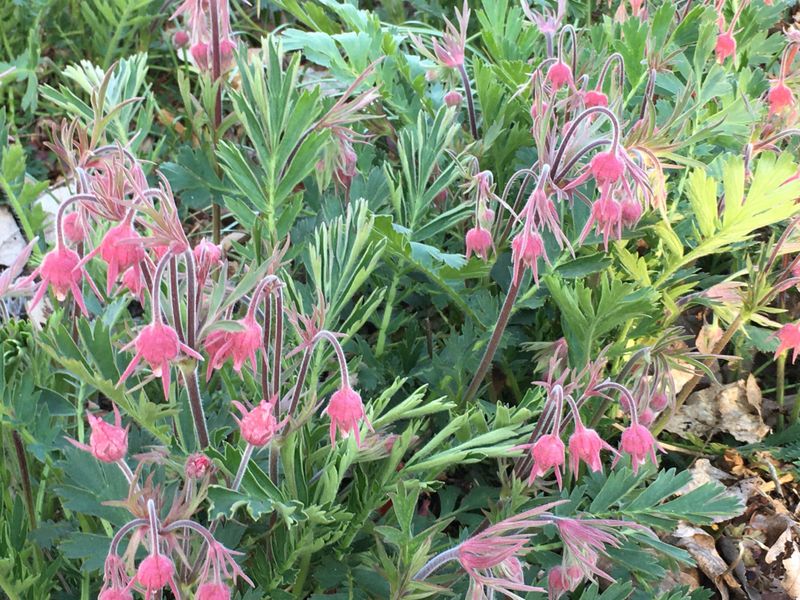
point(708, 337)
point(700, 545)
point(779, 547)
point(791, 581)
point(734, 408)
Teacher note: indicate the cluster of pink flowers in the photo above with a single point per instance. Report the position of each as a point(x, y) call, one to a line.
point(546, 449)
point(199, 17)
point(492, 558)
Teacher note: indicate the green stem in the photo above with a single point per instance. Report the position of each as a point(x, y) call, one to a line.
point(780, 386)
point(299, 583)
point(387, 316)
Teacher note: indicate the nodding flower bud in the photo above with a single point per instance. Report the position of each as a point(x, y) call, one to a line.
point(479, 242)
point(207, 253)
point(453, 98)
point(133, 281)
point(606, 167)
point(180, 39)
point(595, 98)
point(659, 401)
point(639, 443)
point(526, 249)
point(115, 594)
point(74, 227)
point(559, 582)
point(547, 453)
point(197, 466)
point(154, 572)
point(647, 416)
point(559, 74)
point(346, 411)
point(607, 216)
point(60, 270)
point(789, 337)
point(107, 443)
point(259, 425)
point(159, 346)
point(725, 47)
point(226, 49)
point(585, 445)
point(631, 211)
point(121, 249)
point(199, 52)
point(780, 97)
point(239, 345)
point(213, 591)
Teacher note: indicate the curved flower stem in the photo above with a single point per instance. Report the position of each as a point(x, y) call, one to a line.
point(473, 122)
point(337, 348)
point(574, 127)
point(122, 532)
point(437, 561)
point(494, 342)
point(126, 470)
point(267, 336)
point(216, 72)
point(152, 520)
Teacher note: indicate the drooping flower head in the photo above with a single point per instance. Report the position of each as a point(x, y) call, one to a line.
point(725, 46)
point(606, 215)
point(159, 346)
point(346, 412)
point(548, 453)
point(122, 249)
point(154, 573)
point(116, 583)
point(74, 227)
point(639, 443)
point(527, 248)
point(559, 74)
point(595, 98)
point(240, 345)
point(585, 445)
point(61, 270)
point(259, 425)
point(606, 167)
point(213, 591)
point(197, 466)
point(479, 242)
point(780, 97)
point(107, 443)
point(453, 98)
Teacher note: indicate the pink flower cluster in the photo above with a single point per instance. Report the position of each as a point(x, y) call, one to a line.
point(199, 18)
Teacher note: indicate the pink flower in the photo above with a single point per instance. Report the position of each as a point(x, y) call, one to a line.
point(197, 466)
point(491, 557)
point(595, 98)
point(779, 97)
point(155, 572)
point(133, 281)
point(453, 98)
point(631, 211)
point(606, 167)
point(559, 74)
point(259, 425)
point(659, 401)
point(585, 445)
point(560, 581)
point(526, 249)
point(159, 346)
point(180, 39)
point(346, 410)
point(789, 336)
point(606, 216)
point(725, 47)
point(639, 443)
point(547, 453)
point(121, 249)
point(213, 591)
point(115, 594)
point(239, 345)
point(61, 270)
point(584, 540)
point(207, 253)
point(74, 227)
point(200, 52)
point(107, 443)
point(479, 242)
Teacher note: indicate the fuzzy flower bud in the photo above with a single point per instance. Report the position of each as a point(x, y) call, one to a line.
point(259, 425)
point(155, 572)
point(452, 98)
point(526, 249)
point(107, 443)
point(585, 445)
point(346, 410)
point(213, 591)
point(789, 337)
point(547, 453)
point(180, 39)
point(240, 345)
point(559, 74)
point(606, 167)
point(780, 97)
point(74, 227)
point(639, 443)
point(60, 270)
point(197, 466)
point(595, 98)
point(479, 242)
point(725, 46)
point(121, 249)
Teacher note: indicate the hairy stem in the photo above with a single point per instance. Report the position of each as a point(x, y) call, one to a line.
point(196, 405)
point(494, 342)
point(437, 561)
point(473, 122)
